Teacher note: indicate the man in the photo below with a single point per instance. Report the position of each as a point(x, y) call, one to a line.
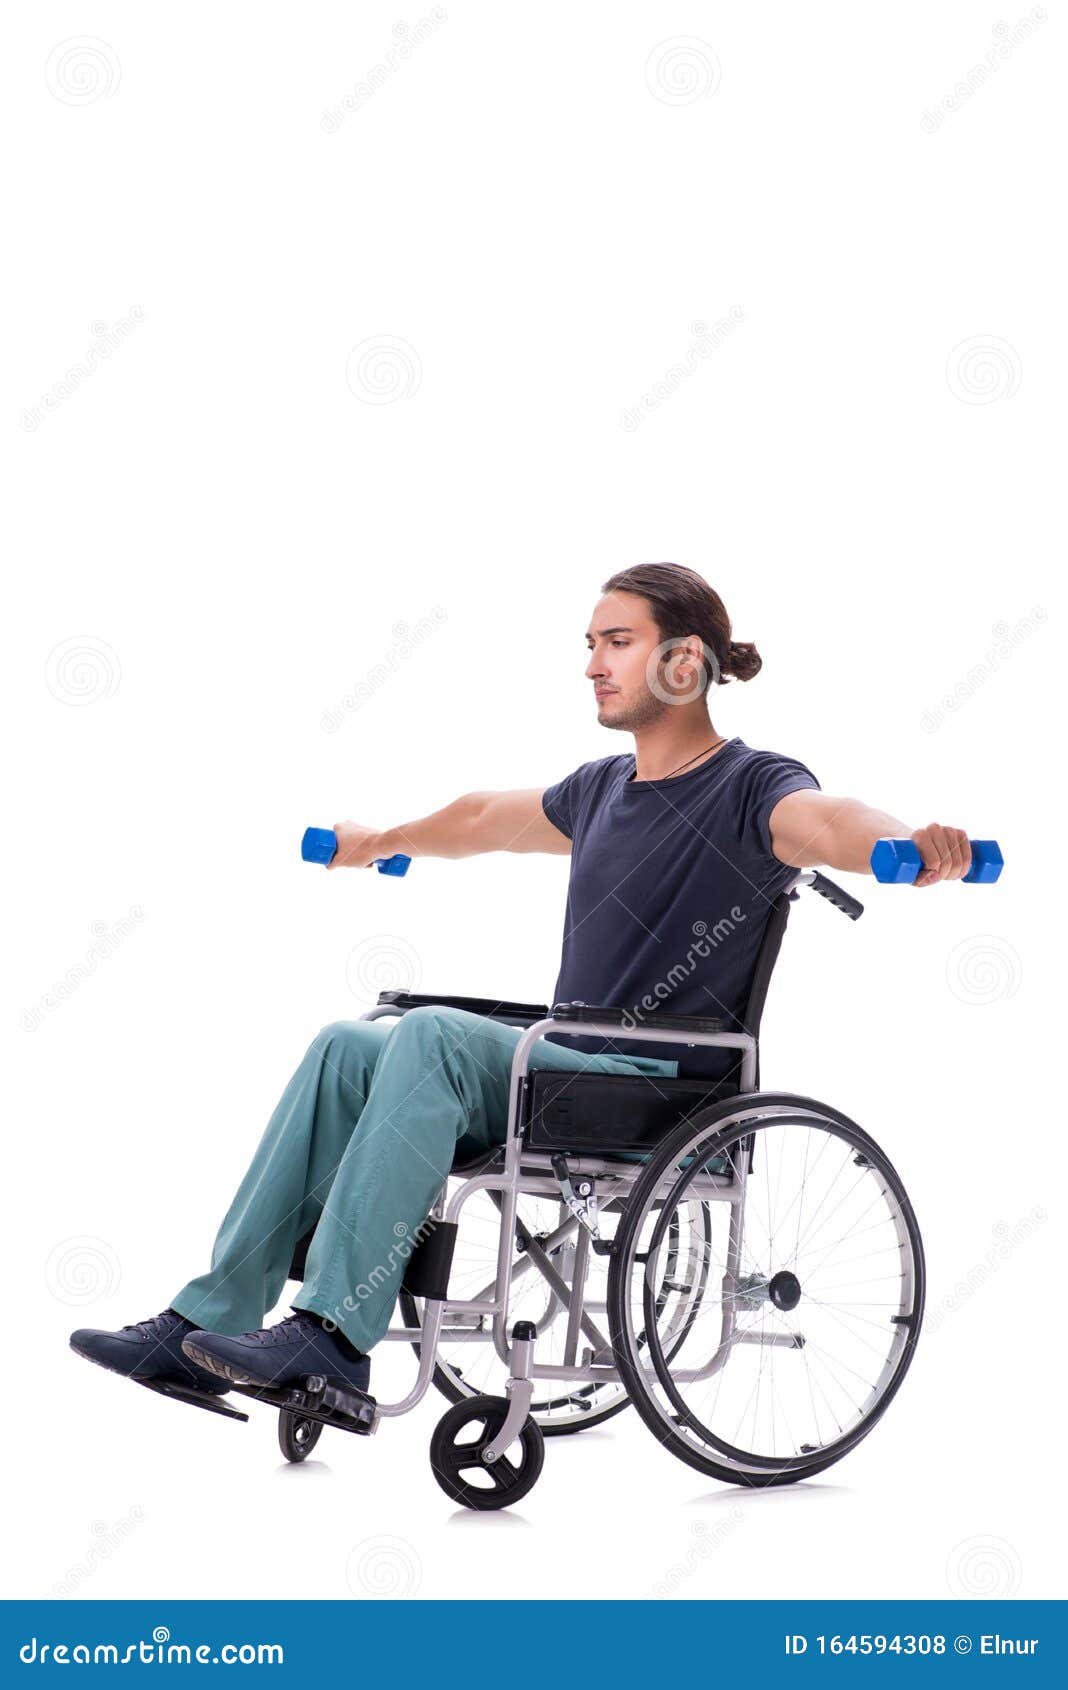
point(678, 850)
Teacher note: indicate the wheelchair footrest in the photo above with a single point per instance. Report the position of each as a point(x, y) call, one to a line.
point(188, 1393)
point(335, 1404)
point(319, 1398)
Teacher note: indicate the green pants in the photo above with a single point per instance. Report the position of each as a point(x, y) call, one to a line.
point(359, 1146)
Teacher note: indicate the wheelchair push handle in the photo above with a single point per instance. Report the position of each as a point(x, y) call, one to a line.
point(836, 895)
point(319, 845)
point(897, 862)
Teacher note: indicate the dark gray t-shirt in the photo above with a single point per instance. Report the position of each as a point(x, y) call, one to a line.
point(672, 882)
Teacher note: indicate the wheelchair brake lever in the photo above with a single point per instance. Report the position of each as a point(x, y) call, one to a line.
point(581, 1202)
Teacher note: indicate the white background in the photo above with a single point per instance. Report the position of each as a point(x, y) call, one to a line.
point(531, 213)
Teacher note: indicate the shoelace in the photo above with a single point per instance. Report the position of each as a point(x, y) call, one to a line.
point(294, 1326)
point(157, 1326)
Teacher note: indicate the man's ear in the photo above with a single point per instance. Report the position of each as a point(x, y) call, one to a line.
point(695, 650)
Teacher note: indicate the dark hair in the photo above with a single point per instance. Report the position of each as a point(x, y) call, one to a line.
point(682, 602)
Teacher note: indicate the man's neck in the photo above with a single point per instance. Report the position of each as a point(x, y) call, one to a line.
point(662, 749)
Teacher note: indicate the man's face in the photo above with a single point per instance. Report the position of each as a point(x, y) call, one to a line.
point(634, 680)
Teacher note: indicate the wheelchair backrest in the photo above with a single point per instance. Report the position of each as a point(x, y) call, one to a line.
point(761, 979)
point(767, 956)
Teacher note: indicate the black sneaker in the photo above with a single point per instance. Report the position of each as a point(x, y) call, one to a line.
point(280, 1355)
point(149, 1349)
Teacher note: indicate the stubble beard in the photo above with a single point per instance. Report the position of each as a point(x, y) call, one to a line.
point(636, 714)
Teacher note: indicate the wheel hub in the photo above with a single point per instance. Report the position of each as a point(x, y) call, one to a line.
point(784, 1290)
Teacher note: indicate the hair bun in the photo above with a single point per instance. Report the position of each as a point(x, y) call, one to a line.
point(743, 660)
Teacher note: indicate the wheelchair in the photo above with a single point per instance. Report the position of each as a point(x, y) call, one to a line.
point(742, 1267)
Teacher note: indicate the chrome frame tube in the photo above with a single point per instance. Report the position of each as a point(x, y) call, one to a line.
point(512, 1179)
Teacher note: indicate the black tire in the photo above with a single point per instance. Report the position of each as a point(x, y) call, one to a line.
point(709, 1137)
point(451, 1458)
point(297, 1435)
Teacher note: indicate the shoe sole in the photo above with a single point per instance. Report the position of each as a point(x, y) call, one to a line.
point(223, 1369)
point(237, 1376)
point(193, 1383)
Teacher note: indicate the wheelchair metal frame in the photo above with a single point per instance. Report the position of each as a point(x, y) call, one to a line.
point(521, 1173)
point(529, 1172)
point(526, 1172)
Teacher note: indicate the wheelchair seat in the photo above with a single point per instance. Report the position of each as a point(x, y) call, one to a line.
point(597, 1114)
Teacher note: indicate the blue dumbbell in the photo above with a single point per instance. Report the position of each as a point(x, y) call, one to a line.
point(319, 845)
point(897, 862)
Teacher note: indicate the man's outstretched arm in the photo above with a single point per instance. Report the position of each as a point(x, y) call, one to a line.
point(470, 825)
point(813, 830)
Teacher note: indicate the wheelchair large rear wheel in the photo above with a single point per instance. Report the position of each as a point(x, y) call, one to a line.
point(812, 1286)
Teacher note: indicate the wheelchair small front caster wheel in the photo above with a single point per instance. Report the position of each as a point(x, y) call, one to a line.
point(456, 1448)
point(297, 1435)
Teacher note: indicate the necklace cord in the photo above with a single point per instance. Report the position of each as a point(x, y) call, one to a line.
point(720, 741)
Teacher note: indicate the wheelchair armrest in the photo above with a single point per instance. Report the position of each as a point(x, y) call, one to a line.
point(496, 1009)
point(617, 1017)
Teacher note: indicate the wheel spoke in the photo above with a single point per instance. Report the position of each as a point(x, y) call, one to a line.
point(504, 1475)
